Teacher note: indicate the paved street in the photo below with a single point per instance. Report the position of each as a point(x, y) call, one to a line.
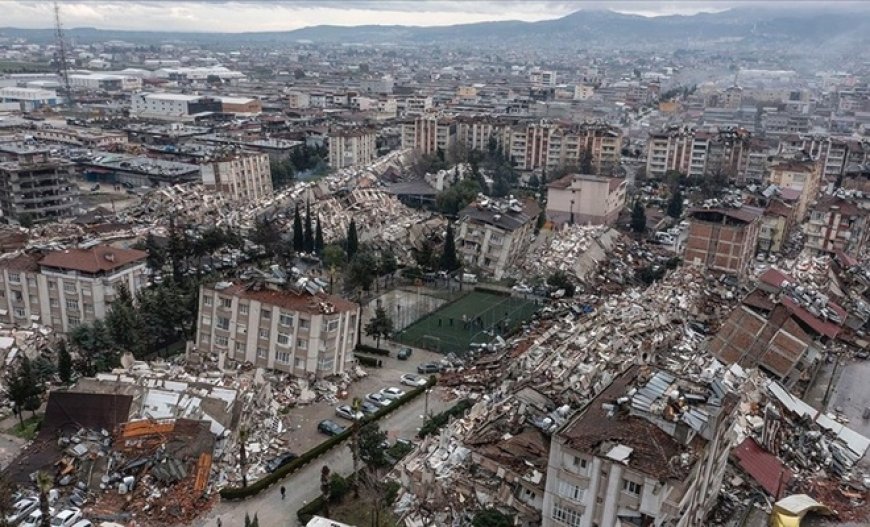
point(304, 485)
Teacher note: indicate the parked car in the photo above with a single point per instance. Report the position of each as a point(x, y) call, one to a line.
point(277, 462)
point(345, 411)
point(392, 392)
point(83, 523)
point(66, 518)
point(369, 408)
point(329, 427)
point(21, 509)
point(411, 379)
point(33, 519)
point(429, 367)
point(522, 289)
point(378, 399)
point(404, 354)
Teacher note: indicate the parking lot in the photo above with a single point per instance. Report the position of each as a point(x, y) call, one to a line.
point(303, 433)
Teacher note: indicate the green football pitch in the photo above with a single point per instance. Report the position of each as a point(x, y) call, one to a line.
point(475, 318)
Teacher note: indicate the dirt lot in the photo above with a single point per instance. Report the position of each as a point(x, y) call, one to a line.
point(304, 435)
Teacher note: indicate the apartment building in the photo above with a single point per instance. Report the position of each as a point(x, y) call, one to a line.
point(428, 133)
point(492, 233)
point(799, 173)
point(64, 289)
point(277, 327)
point(173, 106)
point(240, 105)
point(352, 147)
point(701, 154)
point(723, 239)
point(836, 224)
point(551, 145)
point(34, 187)
point(585, 199)
point(650, 449)
point(474, 133)
point(242, 176)
point(776, 225)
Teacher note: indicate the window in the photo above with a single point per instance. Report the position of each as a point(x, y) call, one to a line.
point(73, 321)
point(86, 290)
point(299, 363)
point(286, 320)
point(223, 323)
point(243, 309)
point(264, 333)
point(203, 338)
point(304, 324)
point(227, 302)
point(631, 487)
point(206, 300)
point(579, 462)
point(302, 344)
point(240, 347)
point(266, 314)
point(72, 305)
point(220, 340)
point(52, 285)
point(332, 325)
point(570, 491)
point(17, 296)
point(19, 312)
point(69, 287)
point(566, 516)
point(206, 320)
point(14, 278)
point(262, 353)
point(53, 302)
point(89, 309)
point(282, 357)
point(283, 339)
point(325, 363)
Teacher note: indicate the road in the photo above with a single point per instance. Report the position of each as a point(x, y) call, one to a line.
point(304, 485)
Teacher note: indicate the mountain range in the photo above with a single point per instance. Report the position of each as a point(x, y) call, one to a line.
point(810, 29)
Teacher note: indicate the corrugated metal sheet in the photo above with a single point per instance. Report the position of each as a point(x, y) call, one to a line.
point(762, 466)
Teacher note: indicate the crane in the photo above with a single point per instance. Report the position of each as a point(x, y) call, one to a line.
point(62, 70)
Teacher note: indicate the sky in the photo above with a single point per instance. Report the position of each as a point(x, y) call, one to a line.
point(278, 15)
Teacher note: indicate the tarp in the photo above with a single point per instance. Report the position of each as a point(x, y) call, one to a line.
point(789, 511)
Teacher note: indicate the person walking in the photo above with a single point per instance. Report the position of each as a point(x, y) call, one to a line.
point(219, 523)
point(283, 493)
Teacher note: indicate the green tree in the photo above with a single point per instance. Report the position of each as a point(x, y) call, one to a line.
point(22, 387)
point(388, 264)
point(380, 326)
point(356, 405)
point(491, 518)
point(352, 240)
point(361, 271)
point(44, 483)
point(425, 255)
point(325, 488)
point(95, 348)
point(371, 446)
point(309, 229)
point(449, 262)
point(298, 234)
point(638, 218)
point(124, 325)
point(156, 253)
point(334, 256)
point(318, 238)
point(457, 197)
point(64, 363)
point(675, 205)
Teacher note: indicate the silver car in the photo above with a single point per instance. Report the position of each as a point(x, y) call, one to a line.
point(345, 411)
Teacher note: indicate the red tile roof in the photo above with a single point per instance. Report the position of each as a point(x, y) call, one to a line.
point(97, 259)
point(20, 262)
point(822, 327)
point(762, 466)
point(775, 277)
point(290, 300)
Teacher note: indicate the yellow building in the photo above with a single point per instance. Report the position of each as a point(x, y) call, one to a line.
point(801, 175)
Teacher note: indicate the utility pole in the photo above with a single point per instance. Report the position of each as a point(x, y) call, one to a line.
point(62, 69)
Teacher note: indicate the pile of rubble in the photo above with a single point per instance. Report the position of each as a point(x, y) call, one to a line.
point(17, 343)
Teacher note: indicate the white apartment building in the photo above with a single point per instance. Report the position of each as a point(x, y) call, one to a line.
point(625, 458)
point(492, 234)
point(171, 105)
point(352, 147)
point(583, 199)
point(242, 176)
point(63, 289)
point(277, 328)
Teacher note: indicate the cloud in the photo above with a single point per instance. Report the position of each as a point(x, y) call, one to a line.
point(263, 15)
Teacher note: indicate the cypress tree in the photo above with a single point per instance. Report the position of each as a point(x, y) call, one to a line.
point(318, 238)
point(352, 240)
point(298, 240)
point(309, 229)
point(449, 262)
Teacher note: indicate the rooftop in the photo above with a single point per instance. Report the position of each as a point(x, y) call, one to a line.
point(510, 214)
point(100, 258)
point(288, 299)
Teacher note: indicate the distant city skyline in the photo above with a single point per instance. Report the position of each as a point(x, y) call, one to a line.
point(285, 15)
